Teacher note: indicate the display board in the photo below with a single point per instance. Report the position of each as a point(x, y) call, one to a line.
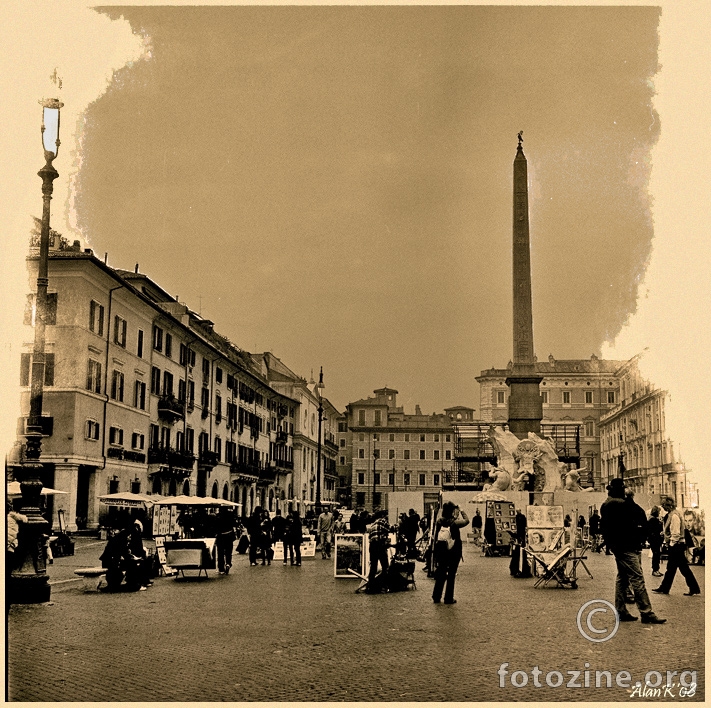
point(545, 531)
point(165, 520)
point(504, 515)
point(308, 548)
point(350, 551)
point(162, 559)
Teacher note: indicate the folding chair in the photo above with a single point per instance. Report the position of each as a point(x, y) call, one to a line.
point(554, 569)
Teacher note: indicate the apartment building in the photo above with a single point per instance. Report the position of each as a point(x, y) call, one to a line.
point(392, 451)
point(141, 394)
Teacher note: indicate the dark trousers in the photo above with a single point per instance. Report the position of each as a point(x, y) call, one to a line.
point(656, 555)
point(630, 577)
point(677, 559)
point(224, 553)
point(378, 554)
point(294, 551)
point(445, 574)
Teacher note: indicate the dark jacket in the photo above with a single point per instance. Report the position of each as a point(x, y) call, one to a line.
point(655, 531)
point(623, 525)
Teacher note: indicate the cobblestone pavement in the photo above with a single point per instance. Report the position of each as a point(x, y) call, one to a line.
point(297, 634)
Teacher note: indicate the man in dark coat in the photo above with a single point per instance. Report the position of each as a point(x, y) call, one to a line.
point(447, 554)
point(624, 528)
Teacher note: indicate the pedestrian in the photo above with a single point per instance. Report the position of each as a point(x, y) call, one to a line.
point(411, 528)
point(447, 551)
point(674, 538)
point(339, 525)
point(655, 536)
point(265, 539)
point(278, 527)
point(295, 537)
point(378, 541)
point(325, 532)
point(477, 524)
point(14, 519)
point(114, 557)
point(595, 539)
point(254, 528)
point(355, 521)
point(225, 540)
point(138, 567)
point(624, 530)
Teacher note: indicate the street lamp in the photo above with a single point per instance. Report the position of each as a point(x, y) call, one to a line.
point(621, 460)
point(28, 581)
point(318, 450)
point(375, 457)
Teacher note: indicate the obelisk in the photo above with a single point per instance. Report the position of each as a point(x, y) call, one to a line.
point(525, 402)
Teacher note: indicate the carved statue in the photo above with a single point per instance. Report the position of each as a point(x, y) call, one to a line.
point(525, 455)
point(501, 480)
point(572, 481)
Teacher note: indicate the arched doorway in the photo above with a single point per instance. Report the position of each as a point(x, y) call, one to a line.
point(186, 488)
point(214, 490)
point(173, 488)
point(225, 491)
point(156, 488)
point(271, 500)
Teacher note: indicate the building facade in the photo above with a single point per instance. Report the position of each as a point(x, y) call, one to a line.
point(391, 451)
point(574, 392)
point(141, 394)
point(634, 442)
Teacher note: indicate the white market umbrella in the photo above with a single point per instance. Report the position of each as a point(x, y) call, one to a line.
point(13, 490)
point(488, 495)
point(127, 500)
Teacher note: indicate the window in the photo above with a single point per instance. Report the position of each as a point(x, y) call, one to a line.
point(448, 438)
point(189, 440)
point(566, 396)
point(406, 479)
point(25, 368)
point(167, 383)
point(205, 368)
point(115, 436)
point(139, 347)
point(589, 428)
point(588, 396)
point(119, 331)
point(391, 479)
point(218, 375)
point(138, 441)
point(377, 417)
point(435, 480)
point(181, 390)
point(93, 377)
point(218, 408)
point(183, 355)
point(500, 397)
point(376, 478)
point(361, 417)
point(361, 437)
point(376, 453)
point(168, 344)
point(610, 396)
point(423, 480)
point(165, 438)
point(114, 485)
point(544, 396)
point(436, 455)
point(447, 454)
point(205, 399)
point(218, 449)
point(342, 442)
point(361, 453)
point(155, 380)
point(96, 318)
point(92, 430)
point(117, 381)
point(154, 435)
point(422, 455)
point(157, 338)
point(341, 427)
point(407, 437)
point(391, 454)
point(191, 394)
point(377, 499)
point(361, 477)
point(405, 454)
point(343, 460)
point(436, 437)
point(360, 498)
point(422, 437)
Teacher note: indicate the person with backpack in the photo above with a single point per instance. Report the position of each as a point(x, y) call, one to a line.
point(447, 551)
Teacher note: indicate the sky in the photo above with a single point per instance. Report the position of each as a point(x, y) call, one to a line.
point(334, 184)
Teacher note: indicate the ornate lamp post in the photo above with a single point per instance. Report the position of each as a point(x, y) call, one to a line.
point(28, 582)
point(621, 459)
point(319, 387)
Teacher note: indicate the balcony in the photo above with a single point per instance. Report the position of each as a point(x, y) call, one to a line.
point(282, 436)
point(268, 475)
point(170, 409)
point(173, 459)
point(245, 472)
point(330, 445)
point(207, 459)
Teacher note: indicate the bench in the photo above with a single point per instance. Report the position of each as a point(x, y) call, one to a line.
point(93, 578)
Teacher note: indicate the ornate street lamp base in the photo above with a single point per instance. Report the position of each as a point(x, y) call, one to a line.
point(28, 589)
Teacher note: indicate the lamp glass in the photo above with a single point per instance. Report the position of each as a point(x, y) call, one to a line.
point(51, 129)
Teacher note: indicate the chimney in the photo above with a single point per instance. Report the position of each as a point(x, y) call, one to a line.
point(417, 410)
point(136, 271)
